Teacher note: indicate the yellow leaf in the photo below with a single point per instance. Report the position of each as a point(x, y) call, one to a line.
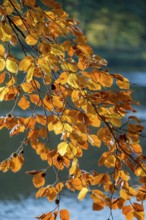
point(39, 180)
point(94, 140)
point(2, 64)
point(58, 127)
point(69, 67)
point(73, 166)
point(16, 163)
point(2, 50)
point(57, 50)
point(72, 81)
point(24, 103)
point(110, 161)
point(27, 87)
point(123, 84)
point(3, 92)
point(124, 194)
point(30, 73)
point(26, 63)
point(82, 193)
point(64, 214)
point(62, 148)
point(47, 73)
point(12, 65)
point(30, 40)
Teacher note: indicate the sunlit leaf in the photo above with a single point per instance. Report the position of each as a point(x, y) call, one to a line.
point(3, 92)
point(30, 73)
point(64, 214)
point(2, 50)
point(26, 63)
point(62, 148)
point(16, 162)
point(73, 166)
point(2, 64)
point(12, 65)
point(83, 193)
point(38, 179)
point(30, 40)
point(123, 84)
point(24, 103)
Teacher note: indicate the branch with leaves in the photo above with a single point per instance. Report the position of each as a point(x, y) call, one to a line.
point(66, 89)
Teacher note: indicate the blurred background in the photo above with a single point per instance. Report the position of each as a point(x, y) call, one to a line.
point(116, 29)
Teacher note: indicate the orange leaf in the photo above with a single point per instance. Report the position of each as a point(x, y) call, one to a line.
point(64, 214)
point(2, 77)
point(30, 40)
point(39, 180)
point(5, 165)
point(35, 99)
point(51, 193)
point(16, 163)
point(24, 103)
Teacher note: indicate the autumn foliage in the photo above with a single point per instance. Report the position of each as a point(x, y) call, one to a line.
point(66, 89)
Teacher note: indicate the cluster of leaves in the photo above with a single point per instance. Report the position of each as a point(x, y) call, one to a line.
point(64, 88)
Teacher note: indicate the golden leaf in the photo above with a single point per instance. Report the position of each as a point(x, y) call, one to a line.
point(57, 50)
point(12, 65)
point(58, 127)
point(27, 87)
point(26, 63)
point(41, 119)
point(39, 180)
point(34, 98)
point(16, 162)
point(3, 92)
point(51, 193)
point(72, 80)
point(30, 73)
point(123, 84)
point(62, 148)
point(94, 140)
point(110, 161)
point(69, 67)
point(82, 193)
point(64, 214)
point(73, 166)
point(2, 50)
point(5, 165)
point(30, 40)
point(47, 73)
point(2, 64)
point(24, 103)
point(59, 186)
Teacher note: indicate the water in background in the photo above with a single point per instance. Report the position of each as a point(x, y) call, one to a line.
point(17, 194)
